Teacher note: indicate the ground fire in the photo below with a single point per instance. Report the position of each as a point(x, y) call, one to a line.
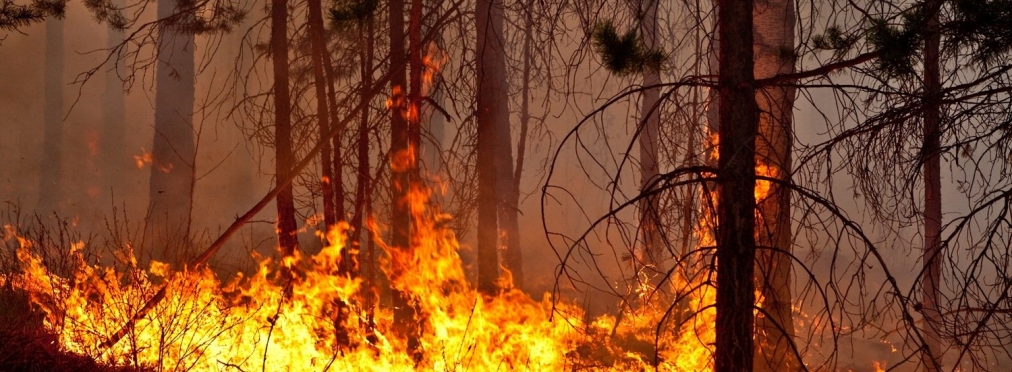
point(257, 322)
point(264, 322)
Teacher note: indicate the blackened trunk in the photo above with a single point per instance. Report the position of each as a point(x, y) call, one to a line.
point(362, 185)
point(284, 157)
point(337, 180)
point(488, 14)
point(506, 192)
point(404, 314)
point(167, 226)
point(513, 257)
point(319, 48)
point(736, 171)
point(932, 196)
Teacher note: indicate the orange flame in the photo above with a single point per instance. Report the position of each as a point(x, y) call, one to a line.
point(145, 158)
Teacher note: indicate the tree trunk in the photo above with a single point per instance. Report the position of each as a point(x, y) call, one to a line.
point(736, 171)
point(337, 180)
point(167, 226)
point(284, 158)
point(404, 313)
point(506, 190)
point(52, 143)
point(513, 257)
point(774, 40)
point(488, 15)
point(932, 196)
point(319, 48)
point(362, 185)
point(649, 209)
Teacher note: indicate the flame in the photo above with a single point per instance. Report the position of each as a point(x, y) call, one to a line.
point(879, 366)
point(257, 320)
point(433, 62)
point(249, 322)
point(145, 158)
point(319, 319)
point(403, 161)
point(396, 99)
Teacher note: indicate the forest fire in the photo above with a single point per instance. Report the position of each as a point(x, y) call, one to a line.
point(257, 321)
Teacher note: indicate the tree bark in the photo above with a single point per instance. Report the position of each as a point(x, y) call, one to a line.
point(932, 196)
point(404, 312)
point(319, 48)
point(50, 191)
point(167, 225)
point(514, 257)
point(337, 176)
point(736, 171)
point(649, 208)
point(363, 184)
point(488, 14)
point(506, 190)
point(287, 229)
point(346, 266)
point(773, 47)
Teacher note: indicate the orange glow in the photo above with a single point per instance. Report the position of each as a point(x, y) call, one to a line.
point(247, 322)
point(145, 158)
point(260, 321)
point(879, 366)
point(91, 138)
point(433, 60)
point(402, 161)
point(396, 99)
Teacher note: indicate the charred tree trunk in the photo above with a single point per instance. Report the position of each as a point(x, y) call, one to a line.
point(287, 228)
point(736, 176)
point(513, 257)
point(52, 144)
point(932, 196)
point(649, 208)
point(349, 265)
point(167, 226)
point(774, 37)
point(363, 183)
point(404, 312)
point(506, 191)
point(490, 91)
point(319, 48)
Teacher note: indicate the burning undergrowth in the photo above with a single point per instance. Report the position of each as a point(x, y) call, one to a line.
point(263, 321)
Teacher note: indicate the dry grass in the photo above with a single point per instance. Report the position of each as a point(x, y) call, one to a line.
point(25, 343)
